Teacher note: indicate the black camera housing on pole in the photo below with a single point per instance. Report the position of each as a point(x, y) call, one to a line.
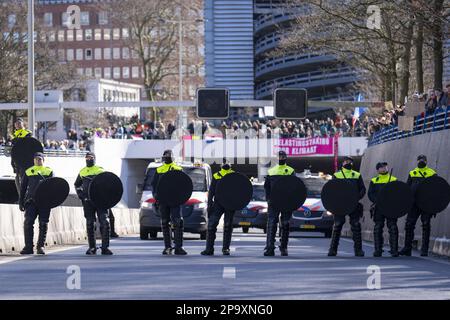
point(213, 103)
point(290, 103)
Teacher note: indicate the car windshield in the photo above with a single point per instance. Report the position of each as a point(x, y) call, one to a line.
point(197, 175)
point(314, 186)
point(259, 193)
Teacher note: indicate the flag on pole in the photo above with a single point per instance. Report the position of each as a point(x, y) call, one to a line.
point(358, 110)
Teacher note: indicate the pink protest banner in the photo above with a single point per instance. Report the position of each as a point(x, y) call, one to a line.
point(305, 146)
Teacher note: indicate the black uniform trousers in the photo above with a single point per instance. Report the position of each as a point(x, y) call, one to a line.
point(90, 212)
point(31, 213)
point(213, 221)
point(272, 223)
point(355, 227)
point(411, 220)
point(171, 215)
point(391, 223)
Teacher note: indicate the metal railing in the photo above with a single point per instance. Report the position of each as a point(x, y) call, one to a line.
point(275, 63)
point(437, 121)
point(309, 79)
point(268, 41)
point(6, 151)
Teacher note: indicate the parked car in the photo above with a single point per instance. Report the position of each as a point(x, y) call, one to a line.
point(255, 214)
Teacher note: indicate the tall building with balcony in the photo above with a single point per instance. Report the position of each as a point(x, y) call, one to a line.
point(240, 37)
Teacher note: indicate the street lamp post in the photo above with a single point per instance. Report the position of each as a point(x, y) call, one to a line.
point(31, 66)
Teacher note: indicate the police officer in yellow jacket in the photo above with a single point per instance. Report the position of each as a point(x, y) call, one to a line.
point(355, 177)
point(282, 169)
point(215, 212)
point(20, 132)
point(82, 183)
point(415, 177)
point(375, 186)
point(169, 214)
point(30, 181)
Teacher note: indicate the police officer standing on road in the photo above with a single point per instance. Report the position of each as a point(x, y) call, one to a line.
point(355, 177)
point(375, 186)
point(415, 177)
point(30, 181)
point(82, 183)
point(274, 173)
point(19, 133)
point(215, 212)
point(169, 214)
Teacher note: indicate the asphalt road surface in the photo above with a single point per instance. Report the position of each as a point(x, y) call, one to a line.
point(137, 270)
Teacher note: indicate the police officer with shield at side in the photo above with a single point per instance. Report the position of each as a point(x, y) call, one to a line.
point(415, 177)
point(215, 211)
point(82, 183)
point(168, 213)
point(375, 186)
point(274, 173)
point(30, 181)
point(354, 177)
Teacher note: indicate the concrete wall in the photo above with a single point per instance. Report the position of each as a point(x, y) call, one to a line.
point(401, 156)
point(67, 226)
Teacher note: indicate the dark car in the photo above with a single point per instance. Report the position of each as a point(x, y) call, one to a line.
point(255, 214)
point(194, 210)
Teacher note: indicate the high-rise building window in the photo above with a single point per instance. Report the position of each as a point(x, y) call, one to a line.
point(61, 55)
point(116, 34)
point(125, 33)
point(88, 34)
point(51, 36)
point(61, 35)
point(79, 54)
point(98, 54)
point(116, 53)
point(126, 72)
point(107, 53)
point(116, 73)
point(69, 54)
point(69, 35)
point(107, 73)
point(88, 72)
point(84, 18)
point(48, 19)
point(80, 71)
point(103, 17)
point(79, 35)
point(88, 54)
point(98, 34)
point(98, 72)
point(134, 54)
point(125, 53)
point(135, 72)
point(106, 34)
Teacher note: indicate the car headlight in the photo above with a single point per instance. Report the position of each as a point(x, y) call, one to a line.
point(328, 213)
point(201, 205)
point(262, 210)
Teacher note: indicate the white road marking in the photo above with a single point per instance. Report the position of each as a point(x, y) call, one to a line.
point(229, 273)
point(232, 249)
point(8, 259)
point(236, 239)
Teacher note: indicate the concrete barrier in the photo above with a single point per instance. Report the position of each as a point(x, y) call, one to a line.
point(67, 226)
point(401, 156)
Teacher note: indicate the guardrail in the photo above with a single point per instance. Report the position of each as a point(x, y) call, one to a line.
point(6, 151)
point(439, 120)
point(268, 41)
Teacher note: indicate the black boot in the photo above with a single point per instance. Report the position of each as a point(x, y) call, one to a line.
point(409, 237)
point(426, 230)
point(91, 239)
point(112, 223)
point(393, 239)
point(178, 239)
point(227, 234)
point(43, 227)
point(167, 237)
point(335, 236)
point(28, 232)
point(269, 250)
point(284, 239)
point(357, 239)
point(378, 240)
point(210, 238)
